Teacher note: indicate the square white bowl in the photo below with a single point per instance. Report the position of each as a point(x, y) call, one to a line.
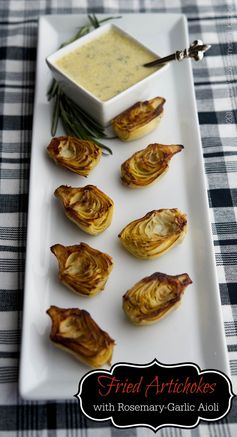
point(101, 111)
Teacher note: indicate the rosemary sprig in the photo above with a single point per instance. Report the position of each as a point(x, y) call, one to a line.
point(74, 120)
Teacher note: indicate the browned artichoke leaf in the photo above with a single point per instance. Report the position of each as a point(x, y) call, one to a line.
point(154, 234)
point(79, 156)
point(148, 165)
point(76, 332)
point(154, 297)
point(88, 207)
point(139, 119)
point(83, 269)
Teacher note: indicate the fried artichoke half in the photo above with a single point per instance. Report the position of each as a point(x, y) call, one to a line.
point(74, 331)
point(154, 297)
point(154, 234)
point(139, 119)
point(148, 165)
point(88, 207)
point(83, 269)
point(79, 156)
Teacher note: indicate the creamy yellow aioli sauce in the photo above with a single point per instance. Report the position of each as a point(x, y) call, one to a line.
point(108, 64)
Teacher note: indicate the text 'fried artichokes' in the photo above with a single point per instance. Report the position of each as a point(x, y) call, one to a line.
point(79, 156)
point(83, 269)
point(88, 207)
point(147, 165)
point(155, 233)
point(154, 297)
point(139, 119)
point(74, 331)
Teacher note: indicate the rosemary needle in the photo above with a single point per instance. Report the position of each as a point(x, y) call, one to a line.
point(74, 120)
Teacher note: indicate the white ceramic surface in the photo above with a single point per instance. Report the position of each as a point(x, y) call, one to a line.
point(101, 111)
point(194, 332)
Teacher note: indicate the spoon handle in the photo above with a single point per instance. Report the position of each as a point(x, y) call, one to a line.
point(195, 51)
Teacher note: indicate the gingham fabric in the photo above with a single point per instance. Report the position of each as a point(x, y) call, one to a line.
point(214, 21)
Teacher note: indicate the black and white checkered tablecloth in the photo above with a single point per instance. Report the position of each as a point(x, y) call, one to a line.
point(214, 21)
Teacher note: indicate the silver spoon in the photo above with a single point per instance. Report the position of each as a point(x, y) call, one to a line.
point(195, 51)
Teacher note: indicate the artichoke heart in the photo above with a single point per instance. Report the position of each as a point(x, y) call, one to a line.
point(154, 234)
point(148, 165)
point(154, 297)
point(83, 269)
point(79, 156)
point(139, 119)
point(88, 207)
point(74, 331)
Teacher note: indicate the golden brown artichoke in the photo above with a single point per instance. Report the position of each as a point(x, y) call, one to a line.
point(88, 207)
point(79, 156)
point(148, 165)
point(154, 297)
point(83, 269)
point(139, 119)
point(74, 331)
point(155, 233)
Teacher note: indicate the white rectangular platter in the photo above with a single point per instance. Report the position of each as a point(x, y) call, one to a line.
point(194, 332)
